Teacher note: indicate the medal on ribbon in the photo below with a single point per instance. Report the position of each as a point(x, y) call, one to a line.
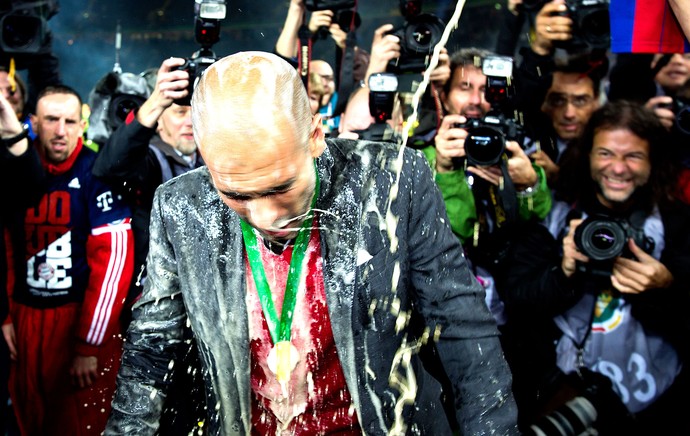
point(283, 357)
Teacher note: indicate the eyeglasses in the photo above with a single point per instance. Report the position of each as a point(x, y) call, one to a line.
point(558, 100)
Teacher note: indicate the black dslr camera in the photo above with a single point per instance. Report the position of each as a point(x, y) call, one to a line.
point(325, 5)
point(591, 25)
point(208, 14)
point(418, 37)
point(485, 143)
point(343, 14)
point(603, 238)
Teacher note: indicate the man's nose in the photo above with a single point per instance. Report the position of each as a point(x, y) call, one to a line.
point(60, 131)
point(570, 110)
point(263, 212)
point(476, 97)
point(618, 166)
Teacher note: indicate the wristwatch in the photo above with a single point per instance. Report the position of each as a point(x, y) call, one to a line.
point(9, 142)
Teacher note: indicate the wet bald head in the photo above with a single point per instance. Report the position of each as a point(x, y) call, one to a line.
point(244, 99)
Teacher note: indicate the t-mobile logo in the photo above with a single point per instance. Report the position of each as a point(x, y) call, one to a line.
point(104, 201)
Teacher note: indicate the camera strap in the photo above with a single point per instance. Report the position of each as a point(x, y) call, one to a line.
point(304, 54)
point(344, 66)
point(503, 199)
point(497, 212)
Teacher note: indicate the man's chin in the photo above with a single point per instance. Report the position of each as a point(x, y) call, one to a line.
point(280, 237)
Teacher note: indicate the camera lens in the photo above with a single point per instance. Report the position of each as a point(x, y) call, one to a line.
point(21, 32)
point(595, 27)
point(120, 106)
point(603, 239)
point(573, 418)
point(600, 239)
point(484, 146)
point(423, 33)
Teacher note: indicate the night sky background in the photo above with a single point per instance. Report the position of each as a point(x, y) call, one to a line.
point(152, 30)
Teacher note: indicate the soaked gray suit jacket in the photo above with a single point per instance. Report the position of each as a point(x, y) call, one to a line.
point(196, 271)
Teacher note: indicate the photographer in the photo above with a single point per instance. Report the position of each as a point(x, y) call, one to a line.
point(478, 205)
point(155, 146)
point(320, 23)
point(463, 98)
point(607, 295)
point(556, 95)
point(358, 119)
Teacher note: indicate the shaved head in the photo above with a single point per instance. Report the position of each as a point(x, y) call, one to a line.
point(245, 96)
point(254, 129)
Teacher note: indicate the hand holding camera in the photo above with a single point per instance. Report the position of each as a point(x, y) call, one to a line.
point(571, 254)
point(519, 166)
point(172, 84)
point(450, 142)
point(552, 24)
point(644, 273)
point(384, 48)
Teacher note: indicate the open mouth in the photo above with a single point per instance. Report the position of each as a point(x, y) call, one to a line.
point(617, 183)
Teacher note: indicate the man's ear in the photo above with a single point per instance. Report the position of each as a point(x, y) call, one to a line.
point(317, 139)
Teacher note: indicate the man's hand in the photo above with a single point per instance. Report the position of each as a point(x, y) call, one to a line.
point(384, 47)
point(660, 105)
point(441, 74)
point(543, 160)
point(11, 339)
point(571, 255)
point(513, 6)
point(319, 19)
point(171, 84)
point(520, 169)
point(636, 276)
point(84, 371)
point(338, 35)
point(450, 142)
point(550, 26)
point(10, 127)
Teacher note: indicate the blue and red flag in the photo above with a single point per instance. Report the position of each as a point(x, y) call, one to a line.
point(645, 26)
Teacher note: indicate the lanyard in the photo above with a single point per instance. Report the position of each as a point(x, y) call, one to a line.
point(280, 328)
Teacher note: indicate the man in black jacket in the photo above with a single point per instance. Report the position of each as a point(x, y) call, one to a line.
point(601, 287)
point(154, 145)
point(350, 238)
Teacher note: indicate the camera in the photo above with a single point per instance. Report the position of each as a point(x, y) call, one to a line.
point(111, 101)
point(603, 238)
point(324, 5)
point(24, 26)
point(418, 37)
point(486, 138)
point(591, 25)
point(208, 14)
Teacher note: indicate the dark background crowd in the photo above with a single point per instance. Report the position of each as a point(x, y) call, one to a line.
point(587, 138)
point(84, 32)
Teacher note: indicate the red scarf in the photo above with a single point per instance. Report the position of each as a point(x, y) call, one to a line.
point(60, 168)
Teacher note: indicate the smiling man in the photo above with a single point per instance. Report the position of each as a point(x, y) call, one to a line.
point(309, 285)
point(606, 297)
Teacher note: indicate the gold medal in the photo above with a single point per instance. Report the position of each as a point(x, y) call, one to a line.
point(282, 359)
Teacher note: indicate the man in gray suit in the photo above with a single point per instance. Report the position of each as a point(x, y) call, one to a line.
point(324, 287)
